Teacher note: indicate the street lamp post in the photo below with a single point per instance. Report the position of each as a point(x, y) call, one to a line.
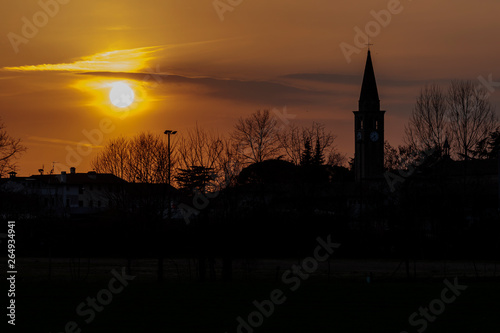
point(168, 133)
point(160, 254)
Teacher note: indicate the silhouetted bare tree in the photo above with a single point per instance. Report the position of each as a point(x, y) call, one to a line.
point(198, 147)
point(143, 158)
point(401, 158)
point(10, 150)
point(114, 158)
point(149, 158)
point(256, 138)
point(427, 127)
point(471, 116)
point(231, 162)
point(337, 159)
point(198, 150)
point(293, 142)
point(391, 157)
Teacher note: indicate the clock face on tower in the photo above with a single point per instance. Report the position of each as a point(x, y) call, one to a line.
point(359, 136)
point(374, 136)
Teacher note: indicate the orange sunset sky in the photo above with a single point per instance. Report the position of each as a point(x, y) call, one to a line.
point(186, 66)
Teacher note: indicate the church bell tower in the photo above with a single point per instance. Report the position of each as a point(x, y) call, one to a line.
point(369, 129)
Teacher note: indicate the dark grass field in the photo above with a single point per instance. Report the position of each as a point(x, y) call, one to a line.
point(318, 305)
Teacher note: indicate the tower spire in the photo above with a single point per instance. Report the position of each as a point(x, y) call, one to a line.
point(368, 99)
point(369, 129)
point(369, 44)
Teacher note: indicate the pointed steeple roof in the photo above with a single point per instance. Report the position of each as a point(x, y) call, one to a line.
point(368, 99)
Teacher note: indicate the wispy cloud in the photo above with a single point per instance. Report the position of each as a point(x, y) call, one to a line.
point(130, 60)
point(40, 139)
point(205, 42)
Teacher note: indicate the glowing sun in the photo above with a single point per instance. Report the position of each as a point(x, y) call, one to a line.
point(121, 95)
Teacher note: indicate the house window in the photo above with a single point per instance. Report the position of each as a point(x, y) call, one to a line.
point(67, 202)
point(91, 203)
point(80, 190)
point(80, 203)
point(99, 203)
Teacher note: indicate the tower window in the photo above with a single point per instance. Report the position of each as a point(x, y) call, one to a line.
point(361, 124)
point(376, 124)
